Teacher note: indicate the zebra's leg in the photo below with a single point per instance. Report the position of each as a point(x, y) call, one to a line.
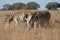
point(16, 22)
point(35, 24)
point(7, 24)
point(28, 25)
point(39, 25)
point(47, 24)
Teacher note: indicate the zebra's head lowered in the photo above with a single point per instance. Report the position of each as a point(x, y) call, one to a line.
point(27, 16)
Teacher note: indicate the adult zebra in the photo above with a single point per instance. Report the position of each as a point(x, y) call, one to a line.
point(40, 17)
point(17, 17)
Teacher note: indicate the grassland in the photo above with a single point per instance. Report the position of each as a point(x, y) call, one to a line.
point(17, 33)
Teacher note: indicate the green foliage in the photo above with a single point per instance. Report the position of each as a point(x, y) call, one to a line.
point(7, 7)
point(24, 7)
point(52, 6)
point(18, 6)
point(59, 6)
point(32, 5)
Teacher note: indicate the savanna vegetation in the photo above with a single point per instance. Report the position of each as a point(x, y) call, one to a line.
point(18, 33)
point(30, 6)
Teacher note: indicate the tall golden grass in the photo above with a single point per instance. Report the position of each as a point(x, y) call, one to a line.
point(17, 33)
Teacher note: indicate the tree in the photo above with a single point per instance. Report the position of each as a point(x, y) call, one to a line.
point(59, 6)
point(52, 6)
point(18, 6)
point(32, 5)
point(7, 7)
point(24, 7)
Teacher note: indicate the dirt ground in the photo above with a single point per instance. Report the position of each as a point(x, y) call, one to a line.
point(18, 33)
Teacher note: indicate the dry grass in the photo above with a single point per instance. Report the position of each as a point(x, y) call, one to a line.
point(17, 33)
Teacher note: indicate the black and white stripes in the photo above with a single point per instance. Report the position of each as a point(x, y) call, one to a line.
point(39, 17)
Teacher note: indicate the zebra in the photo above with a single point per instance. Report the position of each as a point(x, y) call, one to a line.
point(16, 17)
point(36, 19)
point(8, 19)
point(40, 17)
point(31, 19)
point(19, 18)
point(27, 19)
point(46, 17)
